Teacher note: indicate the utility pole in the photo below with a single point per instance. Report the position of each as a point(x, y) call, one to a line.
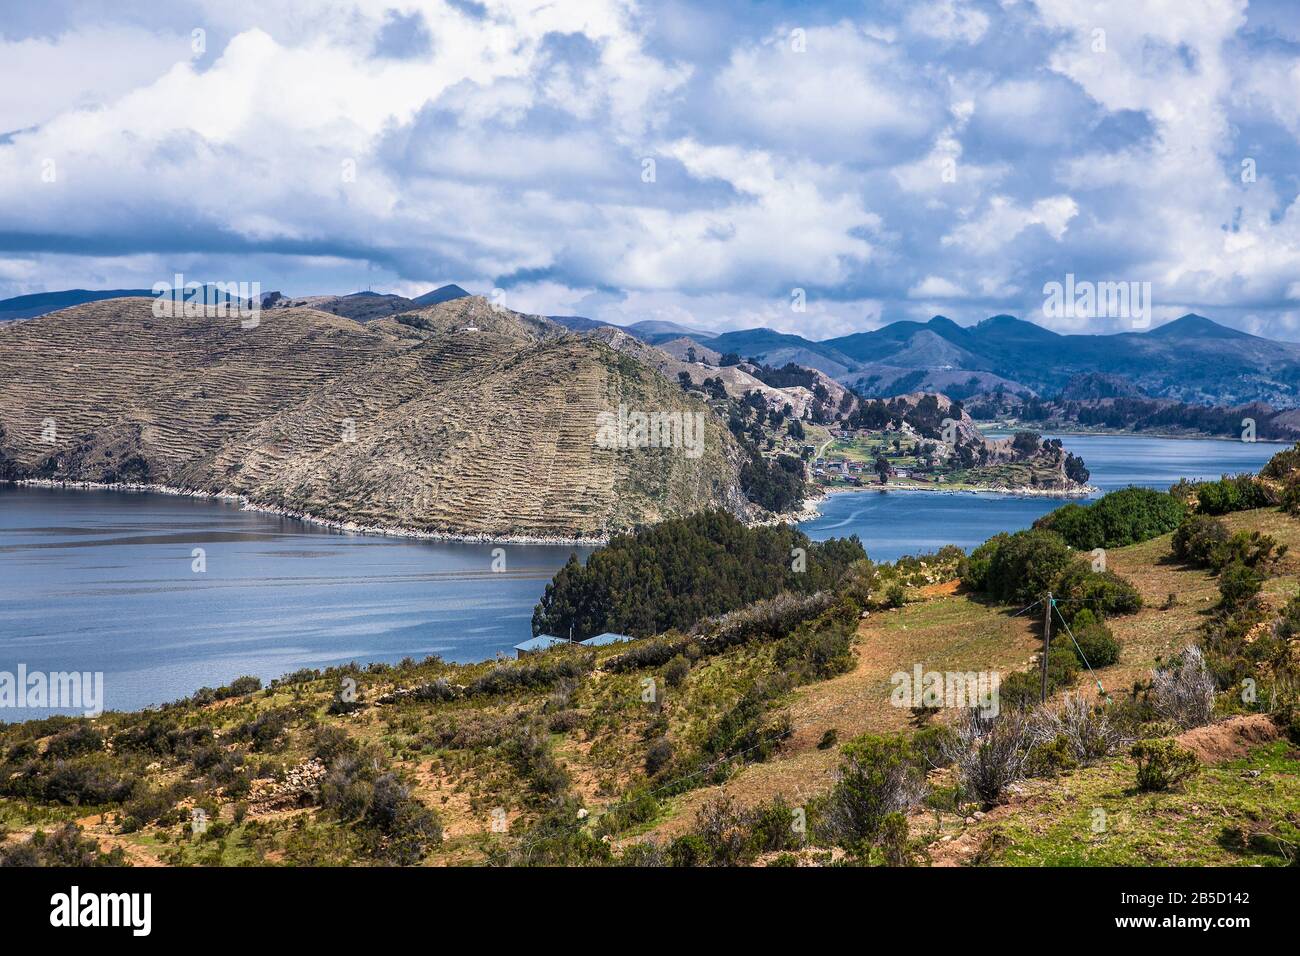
point(1047, 644)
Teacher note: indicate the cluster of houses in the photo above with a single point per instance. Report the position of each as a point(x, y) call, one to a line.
point(839, 468)
point(544, 642)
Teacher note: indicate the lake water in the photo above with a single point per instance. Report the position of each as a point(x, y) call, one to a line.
point(104, 580)
point(894, 523)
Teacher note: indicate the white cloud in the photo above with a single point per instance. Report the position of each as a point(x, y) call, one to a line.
point(936, 287)
point(510, 153)
point(951, 20)
point(83, 70)
point(847, 94)
point(1004, 219)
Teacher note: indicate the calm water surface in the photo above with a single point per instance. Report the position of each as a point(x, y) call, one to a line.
point(103, 581)
point(892, 524)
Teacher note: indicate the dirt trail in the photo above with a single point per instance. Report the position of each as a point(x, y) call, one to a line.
point(859, 701)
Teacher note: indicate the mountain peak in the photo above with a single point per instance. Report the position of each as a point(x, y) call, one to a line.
point(1004, 326)
point(443, 293)
point(1192, 325)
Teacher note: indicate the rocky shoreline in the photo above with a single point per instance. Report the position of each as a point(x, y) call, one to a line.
point(1066, 494)
point(810, 509)
point(349, 526)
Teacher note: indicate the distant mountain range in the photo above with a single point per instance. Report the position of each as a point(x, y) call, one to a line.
point(1192, 359)
point(364, 306)
point(30, 306)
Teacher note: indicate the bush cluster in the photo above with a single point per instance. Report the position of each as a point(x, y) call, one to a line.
point(1162, 764)
point(679, 572)
point(1124, 517)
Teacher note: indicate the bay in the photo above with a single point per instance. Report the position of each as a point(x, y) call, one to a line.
point(105, 581)
point(894, 523)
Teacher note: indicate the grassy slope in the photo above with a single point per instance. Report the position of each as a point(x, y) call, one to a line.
point(603, 751)
point(1053, 825)
point(951, 631)
point(1007, 474)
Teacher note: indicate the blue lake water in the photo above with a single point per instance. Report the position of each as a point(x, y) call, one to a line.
point(103, 580)
point(894, 523)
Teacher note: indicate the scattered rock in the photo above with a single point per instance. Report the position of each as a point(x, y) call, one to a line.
point(298, 787)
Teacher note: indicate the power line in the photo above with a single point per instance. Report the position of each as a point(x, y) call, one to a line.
point(1082, 655)
point(677, 781)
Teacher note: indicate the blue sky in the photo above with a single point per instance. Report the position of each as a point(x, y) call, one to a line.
point(891, 159)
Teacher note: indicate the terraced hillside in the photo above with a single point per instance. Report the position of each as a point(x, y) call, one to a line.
point(455, 419)
point(167, 390)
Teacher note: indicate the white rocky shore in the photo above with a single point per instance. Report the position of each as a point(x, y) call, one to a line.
point(350, 526)
point(810, 508)
point(812, 504)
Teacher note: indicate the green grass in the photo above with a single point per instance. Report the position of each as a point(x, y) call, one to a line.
point(1195, 826)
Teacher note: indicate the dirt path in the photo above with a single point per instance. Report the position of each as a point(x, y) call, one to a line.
point(942, 633)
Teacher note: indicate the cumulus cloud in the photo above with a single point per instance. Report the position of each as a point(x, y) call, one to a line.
point(662, 158)
point(1004, 219)
point(952, 20)
point(936, 287)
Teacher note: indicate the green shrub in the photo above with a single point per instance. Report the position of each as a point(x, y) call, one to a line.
point(1253, 549)
point(931, 745)
point(1238, 584)
point(1022, 690)
point(1123, 517)
point(1048, 758)
point(658, 756)
point(1231, 493)
point(329, 743)
point(1018, 567)
point(879, 776)
point(1282, 465)
point(78, 740)
point(1162, 764)
point(266, 730)
point(688, 850)
point(676, 670)
point(1103, 592)
point(819, 648)
point(1198, 540)
point(531, 756)
point(87, 780)
point(544, 670)
point(1095, 640)
point(64, 847)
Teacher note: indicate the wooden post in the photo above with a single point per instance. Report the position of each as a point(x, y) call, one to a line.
point(1047, 644)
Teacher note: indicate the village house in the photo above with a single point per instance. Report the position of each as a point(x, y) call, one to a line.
point(535, 645)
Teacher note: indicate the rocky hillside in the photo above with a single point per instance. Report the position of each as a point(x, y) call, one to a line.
point(454, 419)
point(736, 380)
point(942, 434)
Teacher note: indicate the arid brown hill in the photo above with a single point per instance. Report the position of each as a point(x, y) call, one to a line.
point(454, 419)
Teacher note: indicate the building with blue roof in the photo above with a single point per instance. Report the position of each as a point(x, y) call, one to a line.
point(600, 640)
point(534, 645)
